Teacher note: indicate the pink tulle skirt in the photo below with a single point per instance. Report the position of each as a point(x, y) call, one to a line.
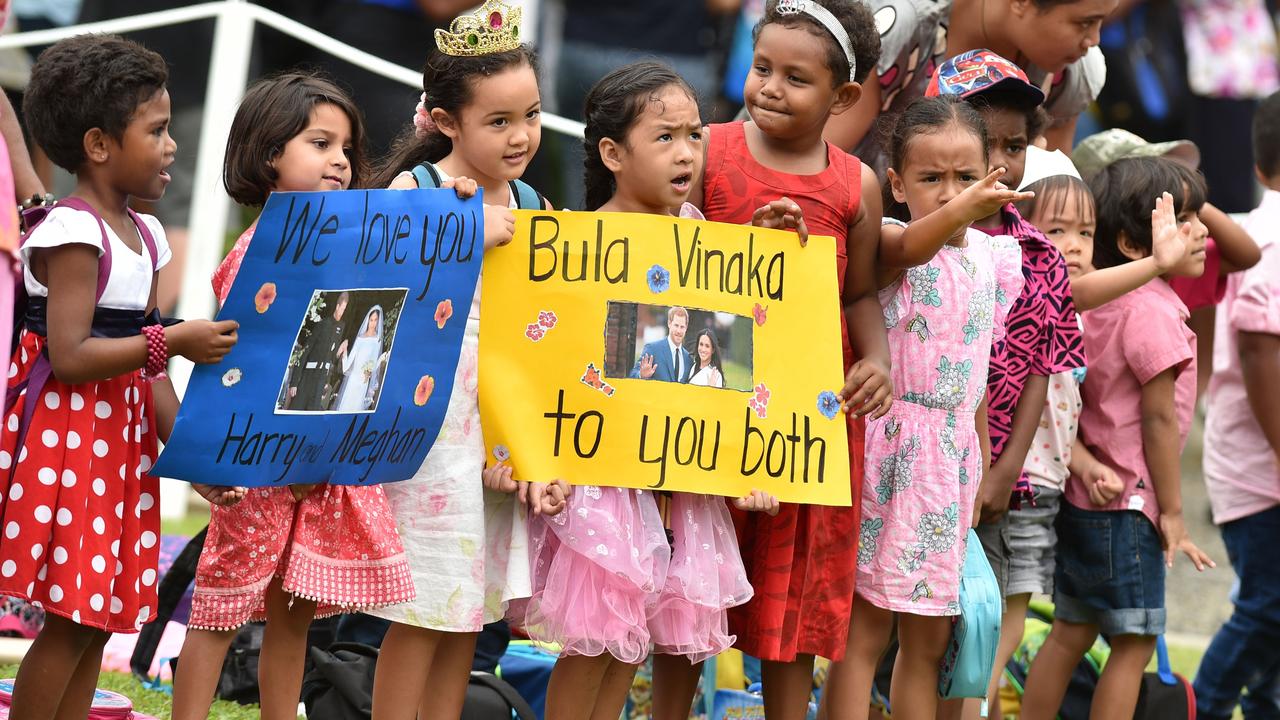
point(606, 580)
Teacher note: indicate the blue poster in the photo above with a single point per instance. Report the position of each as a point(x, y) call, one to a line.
point(351, 306)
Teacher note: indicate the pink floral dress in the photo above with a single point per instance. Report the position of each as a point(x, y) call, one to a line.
point(338, 546)
point(924, 462)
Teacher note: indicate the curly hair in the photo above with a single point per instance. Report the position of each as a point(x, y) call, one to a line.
point(86, 82)
point(856, 18)
point(448, 82)
point(273, 112)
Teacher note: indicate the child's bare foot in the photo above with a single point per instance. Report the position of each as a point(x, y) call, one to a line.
point(223, 495)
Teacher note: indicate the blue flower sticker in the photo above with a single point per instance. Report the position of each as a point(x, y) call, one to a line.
point(659, 279)
point(828, 404)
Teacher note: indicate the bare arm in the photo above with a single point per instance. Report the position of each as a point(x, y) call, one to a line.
point(25, 181)
point(1260, 364)
point(1160, 449)
point(983, 429)
point(848, 128)
point(1005, 470)
point(1099, 287)
point(1236, 248)
point(723, 7)
point(868, 388)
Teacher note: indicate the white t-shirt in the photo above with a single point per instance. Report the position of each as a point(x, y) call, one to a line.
point(129, 286)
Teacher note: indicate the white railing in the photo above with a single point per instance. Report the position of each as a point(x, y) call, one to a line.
point(228, 78)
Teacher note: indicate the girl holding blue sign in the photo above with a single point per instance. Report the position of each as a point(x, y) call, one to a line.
point(288, 555)
point(88, 398)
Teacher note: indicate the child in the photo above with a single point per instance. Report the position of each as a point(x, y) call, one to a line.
point(607, 608)
point(87, 385)
point(478, 125)
point(1228, 249)
point(287, 554)
point(1138, 400)
point(946, 289)
point(1242, 444)
point(808, 61)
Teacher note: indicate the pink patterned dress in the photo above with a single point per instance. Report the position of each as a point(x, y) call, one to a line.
point(610, 577)
point(338, 546)
point(924, 462)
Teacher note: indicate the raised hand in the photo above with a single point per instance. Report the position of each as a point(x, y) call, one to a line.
point(647, 367)
point(782, 214)
point(987, 196)
point(202, 341)
point(867, 390)
point(1169, 243)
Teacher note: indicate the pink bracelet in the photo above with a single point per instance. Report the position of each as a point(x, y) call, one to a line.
point(157, 354)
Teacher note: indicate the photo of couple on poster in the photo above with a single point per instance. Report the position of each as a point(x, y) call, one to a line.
point(690, 350)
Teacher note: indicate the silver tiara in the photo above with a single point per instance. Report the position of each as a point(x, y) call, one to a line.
point(828, 21)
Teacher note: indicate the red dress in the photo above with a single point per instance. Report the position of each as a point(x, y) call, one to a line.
point(801, 562)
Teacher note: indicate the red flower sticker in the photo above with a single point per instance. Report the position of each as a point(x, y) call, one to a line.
point(444, 311)
point(534, 331)
point(266, 295)
point(759, 312)
point(547, 319)
point(422, 393)
point(759, 402)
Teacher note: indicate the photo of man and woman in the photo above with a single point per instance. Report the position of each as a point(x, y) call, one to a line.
point(340, 356)
point(678, 344)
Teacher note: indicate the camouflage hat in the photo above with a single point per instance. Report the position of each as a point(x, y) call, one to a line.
point(1098, 151)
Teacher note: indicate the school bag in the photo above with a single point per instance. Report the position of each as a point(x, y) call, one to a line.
point(1163, 694)
point(526, 197)
point(1084, 677)
point(966, 667)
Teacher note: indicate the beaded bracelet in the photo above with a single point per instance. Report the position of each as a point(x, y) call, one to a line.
point(157, 354)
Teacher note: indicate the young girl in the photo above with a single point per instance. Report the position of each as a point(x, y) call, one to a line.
point(807, 63)
point(946, 289)
point(287, 554)
point(478, 125)
point(607, 609)
point(87, 385)
point(1138, 400)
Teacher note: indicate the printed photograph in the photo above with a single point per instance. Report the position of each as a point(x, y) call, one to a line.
point(677, 344)
point(340, 355)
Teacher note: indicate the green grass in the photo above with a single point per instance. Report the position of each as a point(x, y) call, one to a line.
point(187, 526)
point(154, 702)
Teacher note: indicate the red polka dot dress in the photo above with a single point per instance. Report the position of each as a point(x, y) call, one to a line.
point(79, 513)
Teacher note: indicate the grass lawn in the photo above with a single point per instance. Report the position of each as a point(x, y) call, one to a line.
point(153, 702)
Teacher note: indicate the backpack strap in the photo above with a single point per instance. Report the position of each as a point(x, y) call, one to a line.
point(526, 197)
point(426, 175)
point(518, 704)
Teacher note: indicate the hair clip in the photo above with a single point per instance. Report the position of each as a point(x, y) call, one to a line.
point(494, 28)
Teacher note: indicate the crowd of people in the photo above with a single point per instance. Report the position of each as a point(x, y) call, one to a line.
point(1016, 344)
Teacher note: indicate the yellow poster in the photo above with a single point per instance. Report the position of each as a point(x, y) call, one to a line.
point(663, 353)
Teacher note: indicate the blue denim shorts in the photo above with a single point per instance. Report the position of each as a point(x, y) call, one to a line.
point(1110, 571)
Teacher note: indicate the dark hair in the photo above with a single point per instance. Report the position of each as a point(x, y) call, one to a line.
point(1125, 192)
point(448, 82)
point(86, 82)
point(715, 349)
point(273, 112)
point(613, 105)
point(856, 18)
point(927, 115)
point(1058, 190)
point(1266, 135)
point(1037, 117)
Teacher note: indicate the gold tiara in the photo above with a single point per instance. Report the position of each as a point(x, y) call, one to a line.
point(494, 28)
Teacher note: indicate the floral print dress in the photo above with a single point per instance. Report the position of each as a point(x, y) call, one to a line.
point(924, 462)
